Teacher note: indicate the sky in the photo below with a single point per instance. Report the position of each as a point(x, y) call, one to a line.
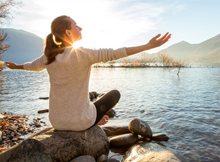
point(123, 23)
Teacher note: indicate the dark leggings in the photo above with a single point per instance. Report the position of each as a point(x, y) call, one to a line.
point(106, 103)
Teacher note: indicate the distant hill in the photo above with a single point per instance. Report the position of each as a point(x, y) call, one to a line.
point(24, 46)
point(205, 52)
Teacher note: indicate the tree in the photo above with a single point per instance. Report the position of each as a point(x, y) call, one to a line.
point(6, 15)
point(165, 59)
point(147, 58)
point(3, 45)
point(125, 61)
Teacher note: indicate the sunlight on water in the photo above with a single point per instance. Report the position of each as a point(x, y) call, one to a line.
point(185, 108)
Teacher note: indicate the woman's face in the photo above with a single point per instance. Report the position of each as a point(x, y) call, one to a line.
point(74, 34)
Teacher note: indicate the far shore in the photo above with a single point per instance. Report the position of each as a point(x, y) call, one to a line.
point(189, 66)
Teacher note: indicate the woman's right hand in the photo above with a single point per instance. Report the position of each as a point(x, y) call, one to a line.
point(13, 65)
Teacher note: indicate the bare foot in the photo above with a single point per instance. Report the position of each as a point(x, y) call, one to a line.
point(104, 120)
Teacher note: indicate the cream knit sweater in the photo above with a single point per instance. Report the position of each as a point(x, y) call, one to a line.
point(69, 104)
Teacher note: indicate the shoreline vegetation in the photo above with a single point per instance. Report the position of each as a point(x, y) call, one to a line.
point(2, 65)
point(145, 60)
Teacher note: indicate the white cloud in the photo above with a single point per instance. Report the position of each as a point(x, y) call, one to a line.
point(105, 23)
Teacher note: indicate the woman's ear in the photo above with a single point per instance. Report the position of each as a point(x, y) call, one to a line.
point(68, 33)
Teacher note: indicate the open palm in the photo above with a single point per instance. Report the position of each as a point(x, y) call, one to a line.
point(156, 41)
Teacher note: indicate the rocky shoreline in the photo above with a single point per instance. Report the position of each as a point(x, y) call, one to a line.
point(134, 142)
point(93, 145)
point(14, 127)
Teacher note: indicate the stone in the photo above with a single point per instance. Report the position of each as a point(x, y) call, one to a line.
point(37, 124)
point(112, 160)
point(114, 130)
point(91, 96)
point(43, 111)
point(140, 127)
point(95, 94)
point(28, 150)
point(12, 128)
point(1, 116)
point(160, 137)
point(102, 158)
point(145, 139)
point(152, 152)
point(85, 158)
point(123, 140)
point(67, 145)
point(142, 111)
point(111, 113)
point(0, 137)
point(44, 98)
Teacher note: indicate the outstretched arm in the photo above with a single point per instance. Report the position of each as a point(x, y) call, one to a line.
point(36, 65)
point(12, 65)
point(154, 42)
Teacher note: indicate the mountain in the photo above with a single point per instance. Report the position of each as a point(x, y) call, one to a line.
point(205, 52)
point(24, 46)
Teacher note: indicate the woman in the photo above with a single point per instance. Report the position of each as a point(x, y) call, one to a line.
point(69, 72)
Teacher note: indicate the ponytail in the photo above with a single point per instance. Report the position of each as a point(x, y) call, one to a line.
point(54, 41)
point(51, 49)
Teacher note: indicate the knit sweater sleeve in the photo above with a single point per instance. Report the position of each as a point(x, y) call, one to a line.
point(36, 65)
point(103, 55)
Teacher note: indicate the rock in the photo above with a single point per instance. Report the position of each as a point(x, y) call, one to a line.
point(28, 150)
point(44, 98)
point(114, 130)
point(91, 96)
point(160, 137)
point(12, 128)
point(152, 152)
point(95, 94)
point(37, 124)
point(0, 137)
point(111, 113)
point(142, 111)
point(145, 139)
point(140, 127)
point(102, 158)
point(66, 145)
point(123, 140)
point(85, 158)
point(43, 111)
point(1, 116)
point(112, 160)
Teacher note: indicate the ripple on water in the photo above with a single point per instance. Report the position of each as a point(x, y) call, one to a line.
point(185, 108)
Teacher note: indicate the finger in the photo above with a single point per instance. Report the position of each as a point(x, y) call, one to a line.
point(157, 36)
point(106, 117)
point(166, 39)
point(165, 35)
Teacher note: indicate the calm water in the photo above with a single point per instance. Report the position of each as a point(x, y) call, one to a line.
point(186, 108)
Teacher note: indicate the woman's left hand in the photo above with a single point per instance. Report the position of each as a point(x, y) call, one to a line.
point(156, 41)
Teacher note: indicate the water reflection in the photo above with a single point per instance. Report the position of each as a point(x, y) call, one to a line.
point(185, 108)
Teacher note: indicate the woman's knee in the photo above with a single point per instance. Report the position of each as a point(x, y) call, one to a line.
point(116, 95)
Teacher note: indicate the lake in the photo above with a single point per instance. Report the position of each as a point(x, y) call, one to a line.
point(186, 107)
